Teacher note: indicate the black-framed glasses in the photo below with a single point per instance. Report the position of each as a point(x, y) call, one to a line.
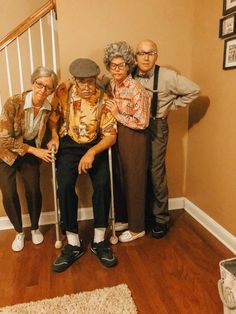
point(150, 53)
point(40, 85)
point(120, 66)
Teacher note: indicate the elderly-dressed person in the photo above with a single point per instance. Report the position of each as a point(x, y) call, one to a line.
point(130, 106)
point(22, 129)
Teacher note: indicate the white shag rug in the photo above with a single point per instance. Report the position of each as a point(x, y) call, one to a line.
point(114, 300)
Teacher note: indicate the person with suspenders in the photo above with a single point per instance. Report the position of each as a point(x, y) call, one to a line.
point(82, 131)
point(169, 91)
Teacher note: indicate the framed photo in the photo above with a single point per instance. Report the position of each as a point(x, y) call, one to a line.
point(229, 54)
point(229, 6)
point(227, 26)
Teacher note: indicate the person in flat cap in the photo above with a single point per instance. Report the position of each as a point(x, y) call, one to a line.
point(82, 131)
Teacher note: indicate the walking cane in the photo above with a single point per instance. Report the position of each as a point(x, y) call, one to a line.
point(113, 238)
point(58, 243)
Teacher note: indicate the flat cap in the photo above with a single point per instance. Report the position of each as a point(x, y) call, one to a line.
point(82, 68)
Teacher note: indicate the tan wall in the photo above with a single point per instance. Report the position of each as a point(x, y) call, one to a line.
point(211, 170)
point(91, 25)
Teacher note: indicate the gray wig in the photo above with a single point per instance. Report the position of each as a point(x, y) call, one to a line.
point(119, 49)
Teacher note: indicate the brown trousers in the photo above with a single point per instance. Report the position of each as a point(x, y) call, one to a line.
point(133, 152)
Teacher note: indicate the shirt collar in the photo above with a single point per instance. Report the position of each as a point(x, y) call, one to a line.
point(125, 83)
point(147, 75)
point(29, 104)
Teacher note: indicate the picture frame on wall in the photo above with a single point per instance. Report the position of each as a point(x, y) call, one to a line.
point(227, 26)
point(229, 54)
point(229, 6)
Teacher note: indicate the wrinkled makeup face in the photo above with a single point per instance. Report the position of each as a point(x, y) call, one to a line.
point(118, 69)
point(86, 86)
point(42, 88)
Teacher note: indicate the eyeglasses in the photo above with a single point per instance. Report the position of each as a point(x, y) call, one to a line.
point(146, 53)
point(86, 81)
point(120, 66)
point(40, 85)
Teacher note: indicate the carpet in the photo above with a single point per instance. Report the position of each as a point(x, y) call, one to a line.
point(114, 300)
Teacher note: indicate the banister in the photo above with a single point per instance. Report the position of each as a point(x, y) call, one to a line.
point(31, 20)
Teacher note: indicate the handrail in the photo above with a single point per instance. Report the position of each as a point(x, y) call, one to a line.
point(22, 27)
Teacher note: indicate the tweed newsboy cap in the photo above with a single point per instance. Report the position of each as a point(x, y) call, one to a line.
point(82, 68)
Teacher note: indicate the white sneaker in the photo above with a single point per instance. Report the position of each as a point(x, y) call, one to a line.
point(121, 226)
point(37, 236)
point(19, 242)
point(127, 236)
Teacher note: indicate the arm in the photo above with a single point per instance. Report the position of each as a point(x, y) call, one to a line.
point(88, 158)
point(61, 94)
point(9, 120)
point(185, 90)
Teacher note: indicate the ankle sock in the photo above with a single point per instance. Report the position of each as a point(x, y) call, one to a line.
point(72, 238)
point(99, 235)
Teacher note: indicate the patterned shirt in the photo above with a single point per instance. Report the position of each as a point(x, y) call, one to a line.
point(13, 127)
point(79, 117)
point(133, 103)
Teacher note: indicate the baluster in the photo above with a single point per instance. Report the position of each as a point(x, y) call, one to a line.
point(0, 104)
point(8, 72)
point(31, 51)
point(20, 65)
point(52, 18)
point(42, 42)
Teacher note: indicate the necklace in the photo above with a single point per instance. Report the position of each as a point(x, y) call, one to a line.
point(37, 107)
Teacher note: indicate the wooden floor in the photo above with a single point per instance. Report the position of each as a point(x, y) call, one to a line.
point(177, 274)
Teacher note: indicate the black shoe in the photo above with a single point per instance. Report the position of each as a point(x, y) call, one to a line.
point(104, 254)
point(159, 230)
point(69, 254)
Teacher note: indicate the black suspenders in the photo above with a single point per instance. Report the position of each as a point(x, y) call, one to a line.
point(155, 93)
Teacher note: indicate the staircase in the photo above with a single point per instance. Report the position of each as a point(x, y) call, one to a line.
point(29, 45)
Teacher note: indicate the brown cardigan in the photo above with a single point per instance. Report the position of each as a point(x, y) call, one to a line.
point(12, 126)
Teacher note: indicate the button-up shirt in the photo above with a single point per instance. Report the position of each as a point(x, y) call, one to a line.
point(133, 103)
point(174, 90)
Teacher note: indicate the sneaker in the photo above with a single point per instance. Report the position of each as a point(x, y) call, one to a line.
point(37, 236)
point(121, 226)
point(159, 230)
point(104, 254)
point(19, 242)
point(127, 236)
point(69, 254)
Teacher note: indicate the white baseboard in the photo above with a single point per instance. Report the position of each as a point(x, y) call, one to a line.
point(206, 221)
point(225, 237)
point(46, 218)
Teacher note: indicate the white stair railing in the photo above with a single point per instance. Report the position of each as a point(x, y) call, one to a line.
point(32, 43)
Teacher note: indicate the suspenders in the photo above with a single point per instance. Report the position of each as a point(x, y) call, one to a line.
point(154, 102)
point(155, 94)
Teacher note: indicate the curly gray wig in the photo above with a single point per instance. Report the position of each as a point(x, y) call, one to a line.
point(119, 49)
